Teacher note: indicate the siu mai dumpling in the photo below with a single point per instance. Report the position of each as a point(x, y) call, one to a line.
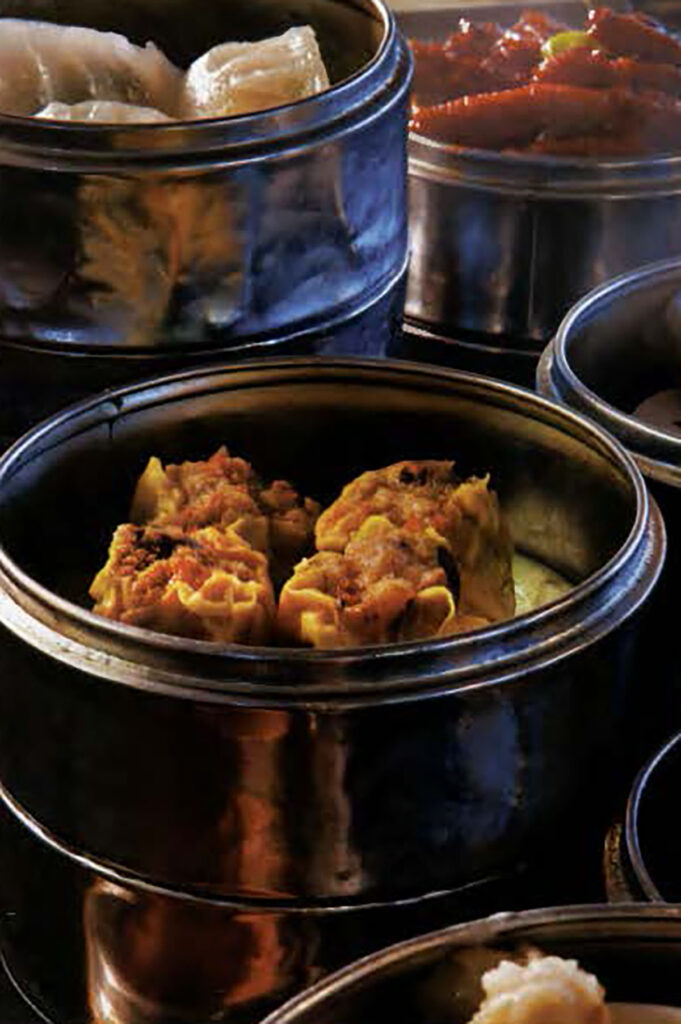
point(427, 495)
point(207, 586)
point(41, 62)
point(225, 491)
point(102, 112)
point(390, 584)
point(240, 78)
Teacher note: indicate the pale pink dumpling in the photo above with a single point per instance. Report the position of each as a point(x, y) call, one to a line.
point(238, 78)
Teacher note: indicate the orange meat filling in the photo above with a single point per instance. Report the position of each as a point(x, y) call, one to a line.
point(406, 552)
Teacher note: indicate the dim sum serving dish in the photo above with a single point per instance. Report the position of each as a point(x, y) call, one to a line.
point(502, 245)
point(422, 765)
point(643, 861)
point(616, 357)
point(81, 946)
point(318, 779)
point(633, 950)
point(281, 228)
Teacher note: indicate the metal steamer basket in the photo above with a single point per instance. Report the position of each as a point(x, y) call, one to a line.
point(502, 245)
point(617, 358)
point(294, 787)
point(634, 951)
point(129, 250)
point(642, 856)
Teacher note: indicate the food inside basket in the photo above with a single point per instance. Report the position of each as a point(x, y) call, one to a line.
point(72, 73)
point(610, 87)
point(406, 552)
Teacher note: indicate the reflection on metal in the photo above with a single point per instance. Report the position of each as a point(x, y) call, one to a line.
point(301, 806)
point(635, 950)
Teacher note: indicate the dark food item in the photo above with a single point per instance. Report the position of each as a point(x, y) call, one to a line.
point(611, 90)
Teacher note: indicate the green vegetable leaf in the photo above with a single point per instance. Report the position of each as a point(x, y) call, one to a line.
point(565, 41)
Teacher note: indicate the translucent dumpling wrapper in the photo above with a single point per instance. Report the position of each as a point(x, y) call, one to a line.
point(546, 988)
point(239, 78)
point(427, 495)
point(388, 585)
point(207, 586)
point(42, 62)
point(102, 112)
point(225, 491)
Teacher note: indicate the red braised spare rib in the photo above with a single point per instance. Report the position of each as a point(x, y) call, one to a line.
point(633, 35)
point(517, 52)
point(594, 70)
point(515, 118)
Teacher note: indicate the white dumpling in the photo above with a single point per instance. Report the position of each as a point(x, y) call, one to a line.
point(102, 111)
point(240, 78)
point(41, 62)
point(547, 988)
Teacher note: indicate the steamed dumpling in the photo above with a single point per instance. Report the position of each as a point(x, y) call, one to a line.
point(41, 62)
point(428, 495)
point(547, 988)
point(238, 78)
point(102, 111)
point(390, 584)
point(207, 586)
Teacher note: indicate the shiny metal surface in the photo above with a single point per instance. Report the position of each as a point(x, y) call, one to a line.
point(650, 842)
point(83, 948)
point(503, 245)
point(371, 330)
point(619, 345)
point(634, 950)
point(619, 879)
point(477, 355)
point(248, 229)
point(374, 774)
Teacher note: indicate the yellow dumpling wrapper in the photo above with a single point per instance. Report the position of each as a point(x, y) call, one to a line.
point(387, 586)
point(225, 492)
point(209, 585)
point(427, 495)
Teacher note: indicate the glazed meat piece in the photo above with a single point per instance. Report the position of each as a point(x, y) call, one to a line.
point(633, 35)
point(455, 67)
point(515, 119)
point(426, 497)
point(390, 584)
point(608, 90)
point(545, 989)
point(209, 585)
point(594, 70)
point(225, 491)
point(514, 57)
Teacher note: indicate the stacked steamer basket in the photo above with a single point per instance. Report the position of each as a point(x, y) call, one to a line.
point(617, 358)
point(642, 852)
point(503, 244)
point(211, 826)
point(633, 951)
point(134, 249)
